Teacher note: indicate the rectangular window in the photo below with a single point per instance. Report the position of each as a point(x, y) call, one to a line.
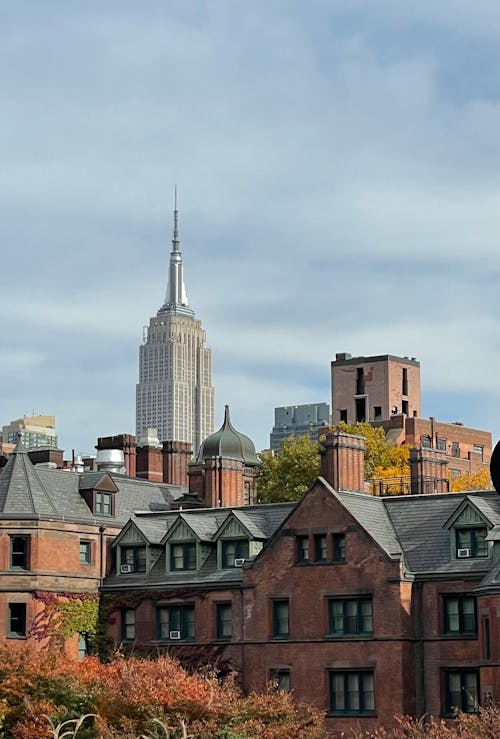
point(360, 381)
point(461, 691)
point(377, 413)
point(85, 552)
point(17, 620)
point(471, 542)
point(133, 559)
point(455, 449)
point(350, 616)
point(339, 547)
point(280, 679)
point(103, 504)
point(460, 615)
point(280, 619)
point(479, 448)
point(404, 407)
point(425, 442)
point(441, 444)
point(485, 622)
point(176, 622)
point(183, 556)
point(320, 548)
point(343, 415)
point(224, 618)
point(352, 692)
point(404, 383)
point(19, 552)
point(232, 550)
point(302, 549)
point(128, 624)
point(83, 646)
point(360, 410)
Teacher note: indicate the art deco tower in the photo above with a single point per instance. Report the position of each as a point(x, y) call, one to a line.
point(174, 393)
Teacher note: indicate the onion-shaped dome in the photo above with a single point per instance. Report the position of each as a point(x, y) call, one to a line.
point(228, 443)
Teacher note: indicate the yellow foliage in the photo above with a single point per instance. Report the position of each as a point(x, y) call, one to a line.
point(479, 481)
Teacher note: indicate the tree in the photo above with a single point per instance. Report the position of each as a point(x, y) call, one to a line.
point(381, 458)
point(287, 474)
point(478, 481)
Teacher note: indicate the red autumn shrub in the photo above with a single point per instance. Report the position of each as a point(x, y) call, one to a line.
point(127, 694)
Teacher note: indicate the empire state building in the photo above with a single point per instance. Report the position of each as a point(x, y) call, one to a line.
point(175, 393)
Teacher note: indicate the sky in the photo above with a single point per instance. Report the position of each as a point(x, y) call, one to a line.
point(337, 167)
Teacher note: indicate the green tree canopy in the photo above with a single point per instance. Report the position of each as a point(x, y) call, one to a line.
point(287, 474)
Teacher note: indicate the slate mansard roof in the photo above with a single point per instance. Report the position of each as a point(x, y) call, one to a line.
point(30, 491)
point(416, 528)
point(205, 525)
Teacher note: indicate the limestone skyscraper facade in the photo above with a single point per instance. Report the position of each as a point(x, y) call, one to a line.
point(175, 393)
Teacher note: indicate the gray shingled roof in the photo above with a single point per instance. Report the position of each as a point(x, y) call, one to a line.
point(370, 512)
point(22, 491)
point(419, 523)
point(28, 490)
point(205, 524)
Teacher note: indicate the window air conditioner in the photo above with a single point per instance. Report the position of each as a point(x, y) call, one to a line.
point(238, 562)
point(174, 635)
point(124, 569)
point(464, 553)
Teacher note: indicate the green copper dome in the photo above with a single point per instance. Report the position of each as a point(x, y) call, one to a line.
point(228, 443)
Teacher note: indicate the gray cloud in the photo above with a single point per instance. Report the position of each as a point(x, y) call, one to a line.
point(337, 167)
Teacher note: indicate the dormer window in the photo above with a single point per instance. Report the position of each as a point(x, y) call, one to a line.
point(103, 504)
point(98, 489)
point(471, 542)
point(183, 556)
point(132, 559)
point(233, 551)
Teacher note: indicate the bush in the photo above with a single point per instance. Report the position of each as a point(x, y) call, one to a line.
point(135, 696)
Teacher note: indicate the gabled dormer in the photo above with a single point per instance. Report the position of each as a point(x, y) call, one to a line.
point(469, 528)
point(135, 553)
point(98, 491)
point(185, 549)
point(235, 543)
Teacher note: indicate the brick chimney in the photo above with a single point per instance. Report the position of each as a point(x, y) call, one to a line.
point(149, 460)
point(126, 444)
point(428, 471)
point(343, 461)
point(176, 458)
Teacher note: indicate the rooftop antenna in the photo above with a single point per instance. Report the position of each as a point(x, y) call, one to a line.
point(175, 240)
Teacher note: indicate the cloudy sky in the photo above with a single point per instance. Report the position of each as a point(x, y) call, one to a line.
point(337, 164)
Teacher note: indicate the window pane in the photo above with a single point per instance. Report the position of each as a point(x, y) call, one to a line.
point(338, 694)
point(481, 544)
point(366, 616)
point(17, 619)
point(368, 691)
point(469, 614)
point(320, 553)
point(187, 631)
point(337, 611)
point(353, 691)
point(453, 622)
point(351, 616)
point(19, 551)
point(470, 701)
point(280, 618)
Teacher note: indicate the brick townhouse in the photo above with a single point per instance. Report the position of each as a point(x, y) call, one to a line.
point(364, 606)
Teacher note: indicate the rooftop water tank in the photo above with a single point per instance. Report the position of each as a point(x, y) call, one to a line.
point(110, 460)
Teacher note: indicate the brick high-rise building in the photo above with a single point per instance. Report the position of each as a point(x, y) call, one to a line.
point(175, 393)
point(374, 388)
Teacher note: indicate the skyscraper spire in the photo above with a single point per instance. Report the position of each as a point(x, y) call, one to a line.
point(176, 298)
point(175, 394)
